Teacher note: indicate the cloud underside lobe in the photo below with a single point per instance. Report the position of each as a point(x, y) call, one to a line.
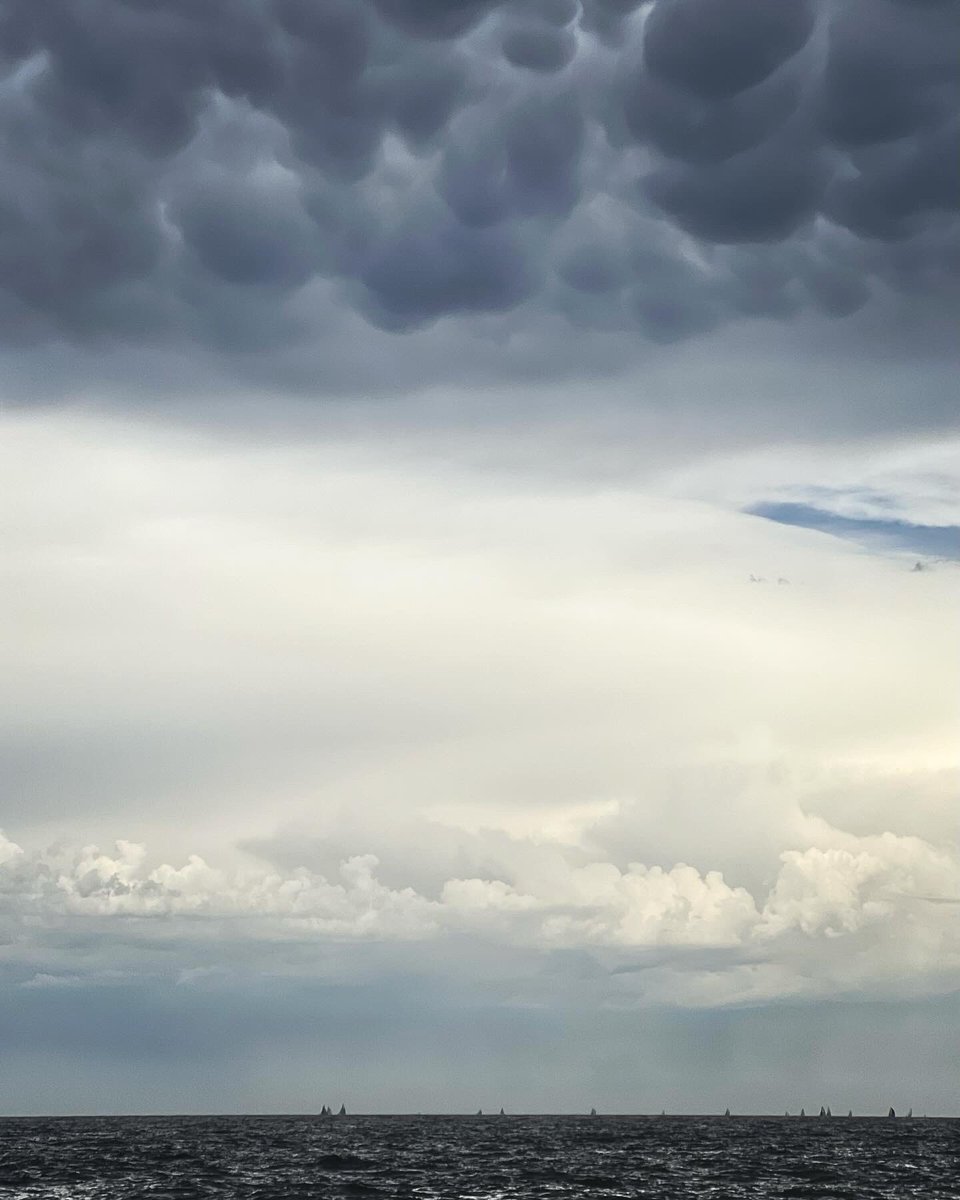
point(239, 175)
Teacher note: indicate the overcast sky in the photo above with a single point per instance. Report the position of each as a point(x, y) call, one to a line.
point(480, 542)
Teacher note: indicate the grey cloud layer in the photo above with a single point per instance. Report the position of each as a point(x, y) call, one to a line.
point(240, 173)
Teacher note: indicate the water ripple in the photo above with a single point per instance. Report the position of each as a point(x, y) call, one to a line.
point(482, 1158)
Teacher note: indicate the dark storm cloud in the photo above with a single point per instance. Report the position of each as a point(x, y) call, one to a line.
point(538, 35)
point(235, 174)
point(758, 196)
point(715, 49)
point(440, 267)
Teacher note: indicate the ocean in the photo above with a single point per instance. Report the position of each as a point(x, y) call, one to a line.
point(478, 1158)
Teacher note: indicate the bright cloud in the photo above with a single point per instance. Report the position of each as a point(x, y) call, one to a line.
point(440, 707)
point(870, 896)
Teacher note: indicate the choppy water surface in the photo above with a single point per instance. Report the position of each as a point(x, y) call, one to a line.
point(483, 1158)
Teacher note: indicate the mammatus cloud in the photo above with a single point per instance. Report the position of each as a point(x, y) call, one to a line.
point(838, 918)
point(252, 174)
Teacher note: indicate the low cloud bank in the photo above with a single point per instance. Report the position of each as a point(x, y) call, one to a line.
point(839, 918)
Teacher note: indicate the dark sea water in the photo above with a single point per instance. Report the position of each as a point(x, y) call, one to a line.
point(482, 1158)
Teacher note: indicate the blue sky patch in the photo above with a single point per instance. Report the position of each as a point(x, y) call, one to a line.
point(937, 541)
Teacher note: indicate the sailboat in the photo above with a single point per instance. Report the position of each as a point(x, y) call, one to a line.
point(593, 1112)
point(803, 1112)
point(850, 1113)
point(343, 1111)
point(502, 1113)
point(891, 1113)
point(727, 1112)
point(823, 1111)
point(829, 1113)
point(479, 1112)
point(909, 1114)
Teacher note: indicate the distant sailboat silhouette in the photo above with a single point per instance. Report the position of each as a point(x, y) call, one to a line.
point(324, 1111)
point(910, 1114)
point(479, 1112)
point(593, 1112)
point(343, 1111)
point(502, 1113)
point(727, 1112)
point(891, 1113)
point(850, 1113)
point(803, 1112)
point(829, 1113)
point(823, 1111)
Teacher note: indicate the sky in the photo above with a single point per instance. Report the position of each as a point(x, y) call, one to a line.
point(480, 547)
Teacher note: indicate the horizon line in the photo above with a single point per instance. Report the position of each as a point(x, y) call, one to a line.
point(493, 1114)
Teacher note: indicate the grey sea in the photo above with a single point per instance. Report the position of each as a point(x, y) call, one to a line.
point(478, 1158)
